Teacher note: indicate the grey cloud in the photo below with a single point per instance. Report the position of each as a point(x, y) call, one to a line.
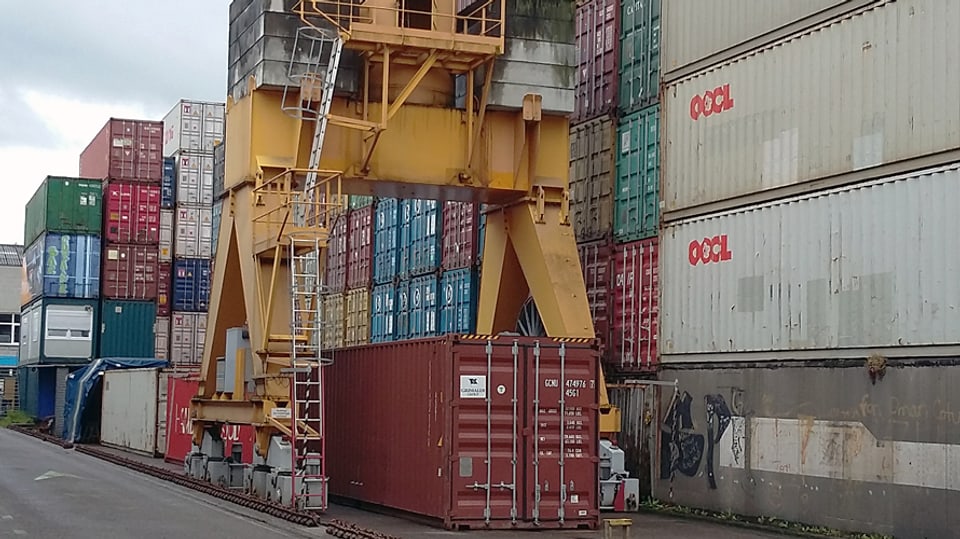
point(19, 126)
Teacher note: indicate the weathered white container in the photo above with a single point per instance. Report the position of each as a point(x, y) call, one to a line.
point(188, 332)
point(132, 408)
point(841, 98)
point(162, 332)
point(194, 229)
point(166, 235)
point(865, 266)
point(194, 179)
point(194, 126)
point(703, 32)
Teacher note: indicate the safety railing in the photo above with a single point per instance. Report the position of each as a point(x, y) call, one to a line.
point(290, 207)
point(481, 18)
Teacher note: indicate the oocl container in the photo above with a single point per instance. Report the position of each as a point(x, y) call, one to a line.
point(132, 213)
point(192, 235)
point(386, 241)
point(188, 332)
point(595, 260)
point(459, 415)
point(357, 322)
point(637, 206)
point(191, 284)
point(382, 313)
point(459, 241)
point(125, 150)
point(457, 300)
point(593, 148)
point(639, 75)
point(419, 237)
point(337, 256)
point(64, 266)
point(66, 205)
point(360, 240)
point(130, 272)
point(179, 436)
point(635, 307)
point(127, 328)
point(598, 40)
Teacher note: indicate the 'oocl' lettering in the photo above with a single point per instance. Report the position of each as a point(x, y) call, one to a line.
point(709, 250)
point(711, 102)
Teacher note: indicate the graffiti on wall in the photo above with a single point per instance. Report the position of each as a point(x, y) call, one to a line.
point(682, 445)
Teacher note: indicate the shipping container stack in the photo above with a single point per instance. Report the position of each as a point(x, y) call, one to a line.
point(193, 136)
point(614, 177)
point(126, 155)
point(810, 258)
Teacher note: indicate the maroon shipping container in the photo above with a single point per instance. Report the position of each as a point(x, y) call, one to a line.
point(360, 240)
point(130, 271)
point(126, 150)
point(598, 46)
point(460, 225)
point(422, 437)
point(636, 291)
point(597, 263)
point(131, 213)
point(164, 279)
point(337, 256)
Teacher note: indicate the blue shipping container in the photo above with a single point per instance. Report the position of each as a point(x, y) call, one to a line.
point(401, 311)
point(382, 313)
point(191, 285)
point(420, 226)
point(64, 266)
point(423, 307)
point(215, 226)
point(37, 387)
point(127, 328)
point(386, 237)
point(168, 186)
point(458, 301)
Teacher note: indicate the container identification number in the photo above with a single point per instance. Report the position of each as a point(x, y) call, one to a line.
point(711, 102)
point(573, 385)
point(709, 250)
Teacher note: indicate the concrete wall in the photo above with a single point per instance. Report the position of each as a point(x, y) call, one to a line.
point(816, 444)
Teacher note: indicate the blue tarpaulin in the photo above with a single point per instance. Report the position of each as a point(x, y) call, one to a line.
point(81, 382)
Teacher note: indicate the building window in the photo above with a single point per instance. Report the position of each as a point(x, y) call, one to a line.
point(9, 329)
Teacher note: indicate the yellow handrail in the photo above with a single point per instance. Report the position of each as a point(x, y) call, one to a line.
point(482, 20)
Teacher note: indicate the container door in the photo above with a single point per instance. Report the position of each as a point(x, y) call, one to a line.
point(486, 438)
point(561, 468)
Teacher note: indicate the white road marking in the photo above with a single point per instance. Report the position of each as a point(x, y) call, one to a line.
point(51, 474)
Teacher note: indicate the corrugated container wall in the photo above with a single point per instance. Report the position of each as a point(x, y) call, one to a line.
point(180, 426)
point(422, 302)
point(219, 170)
point(357, 322)
point(360, 255)
point(635, 309)
point(59, 331)
point(872, 267)
point(191, 284)
point(355, 202)
point(337, 256)
point(192, 235)
point(429, 398)
point(125, 150)
point(161, 347)
point(194, 179)
point(127, 328)
point(592, 174)
point(166, 235)
point(129, 411)
point(420, 224)
point(168, 185)
point(598, 40)
point(215, 220)
point(694, 31)
point(459, 291)
point(334, 318)
point(164, 284)
point(193, 126)
point(637, 205)
point(132, 213)
point(595, 260)
point(459, 241)
point(188, 332)
point(130, 272)
point(386, 238)
point(382, 313)
point(401, 311)
point(64, 266)
point(639, 75)
point(67, 205)
point(810, 107)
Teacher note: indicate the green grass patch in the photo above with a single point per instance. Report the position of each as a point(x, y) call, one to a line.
point(15, 417)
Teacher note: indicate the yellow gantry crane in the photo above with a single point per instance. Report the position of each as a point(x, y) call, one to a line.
point(295, 152)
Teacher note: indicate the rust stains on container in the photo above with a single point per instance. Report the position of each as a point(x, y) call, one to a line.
point(459, 414)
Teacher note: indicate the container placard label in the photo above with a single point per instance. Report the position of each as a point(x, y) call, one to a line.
point(473, 387)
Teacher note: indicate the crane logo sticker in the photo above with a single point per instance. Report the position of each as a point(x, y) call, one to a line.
point(709, 250)
point(711, 102)
point(473, 387)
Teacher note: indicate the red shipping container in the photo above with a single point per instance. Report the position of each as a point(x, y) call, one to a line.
point(130, 271)
point(360, 239)
point(636, 295)
point(460, 226)
point(597, 263)
point(125, 150)
point(337, 256)
point(429, 399)
point(132, 213)
point(598, 46)
point(180, 426)
point(164, 279)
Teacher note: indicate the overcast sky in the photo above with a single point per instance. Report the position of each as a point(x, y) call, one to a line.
point(68, 66)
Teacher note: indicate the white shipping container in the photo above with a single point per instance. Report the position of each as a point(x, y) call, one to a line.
point(129, 414)
point(166, 235)
point(188, 332)
point(162, 391)
point(194, 178)
point(162, 340)
point(838, 99)
point(194, 126)
point(194, 230)
point(864, 266)
point(695, 30)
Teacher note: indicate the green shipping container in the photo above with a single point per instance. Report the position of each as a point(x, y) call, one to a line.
point(637, 206)
point(67, 205)
point(127, 328)
point(360, 201)
point(639, 54)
